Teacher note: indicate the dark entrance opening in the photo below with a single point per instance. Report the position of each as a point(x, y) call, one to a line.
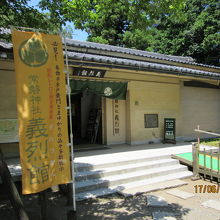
point(87, 107)
point(86, 118)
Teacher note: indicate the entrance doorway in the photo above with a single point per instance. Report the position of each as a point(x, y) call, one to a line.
point(86, 118)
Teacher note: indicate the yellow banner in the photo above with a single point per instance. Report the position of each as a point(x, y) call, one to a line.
point(41, 104)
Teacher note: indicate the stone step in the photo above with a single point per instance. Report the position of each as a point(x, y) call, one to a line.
point(147, 185)
point(95, 193)
point(80, 167)
point(100, 173)
point(154, 183)
point(127, 177)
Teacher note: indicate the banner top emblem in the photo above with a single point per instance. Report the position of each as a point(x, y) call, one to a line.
point(33, 52)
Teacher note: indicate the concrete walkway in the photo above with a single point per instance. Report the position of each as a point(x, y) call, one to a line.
point(131, 151)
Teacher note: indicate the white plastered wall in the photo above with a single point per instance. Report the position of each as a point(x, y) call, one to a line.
point(199, 106)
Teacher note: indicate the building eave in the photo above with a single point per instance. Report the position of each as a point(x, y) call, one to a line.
point(119, 63)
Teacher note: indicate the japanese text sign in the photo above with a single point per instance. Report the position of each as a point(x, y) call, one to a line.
point(169, 130)
point(88, 72)
point(116, 121)
point(41, 104)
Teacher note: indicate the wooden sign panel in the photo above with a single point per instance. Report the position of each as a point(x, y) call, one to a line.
point(88, 72)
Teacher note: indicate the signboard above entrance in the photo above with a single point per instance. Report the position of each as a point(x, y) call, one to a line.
point(88, 72)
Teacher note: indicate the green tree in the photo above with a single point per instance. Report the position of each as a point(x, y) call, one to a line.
point(19, 14)
point(198, 35)
point(178, 27)
point(139, 39)
point(115, 22)
point(67, 31)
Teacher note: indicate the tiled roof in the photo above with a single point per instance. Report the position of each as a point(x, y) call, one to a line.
point(142, 65)
point(140, 53)
point(105, 47)
point(5, 45)
point(131, 63)
point(5, 30)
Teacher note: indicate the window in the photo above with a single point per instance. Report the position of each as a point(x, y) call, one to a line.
point(151, 120)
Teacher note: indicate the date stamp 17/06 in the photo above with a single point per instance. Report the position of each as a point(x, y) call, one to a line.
point(207, 188)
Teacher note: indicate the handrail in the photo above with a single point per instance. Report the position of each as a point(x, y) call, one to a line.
point(207, 132)
point(196, 151)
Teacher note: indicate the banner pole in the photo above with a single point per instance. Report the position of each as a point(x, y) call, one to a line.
point(70, 125)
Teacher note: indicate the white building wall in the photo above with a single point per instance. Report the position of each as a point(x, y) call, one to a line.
point(199, 106)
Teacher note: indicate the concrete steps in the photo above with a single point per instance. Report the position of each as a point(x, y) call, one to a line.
point(150, 186)
point(127, 176)
point(127, 172)
point(108, 171)
point(109, 162)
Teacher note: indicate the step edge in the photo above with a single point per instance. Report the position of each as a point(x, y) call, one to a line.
point(82, 184)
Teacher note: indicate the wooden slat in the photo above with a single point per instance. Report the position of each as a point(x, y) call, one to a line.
point(218, 164)
point(211, 165)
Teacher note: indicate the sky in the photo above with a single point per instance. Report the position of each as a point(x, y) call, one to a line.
point(77, 34)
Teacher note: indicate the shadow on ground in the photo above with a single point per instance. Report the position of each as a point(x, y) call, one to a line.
point(108, 207)
point(115, 207)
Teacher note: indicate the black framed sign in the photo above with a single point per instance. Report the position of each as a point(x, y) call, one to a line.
point(169, 130)
point(88, 72)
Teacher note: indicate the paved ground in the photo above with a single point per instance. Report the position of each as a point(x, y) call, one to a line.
point(144, 206)
point(136, 207)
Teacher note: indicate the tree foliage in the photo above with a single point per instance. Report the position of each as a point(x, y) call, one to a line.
point(198, 35)
point(178, 27)
point(19, 14)
point(115, 22)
